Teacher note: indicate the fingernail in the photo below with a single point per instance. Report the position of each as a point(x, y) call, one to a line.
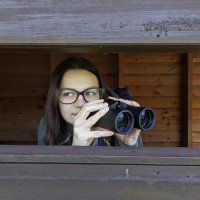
point(105, 104)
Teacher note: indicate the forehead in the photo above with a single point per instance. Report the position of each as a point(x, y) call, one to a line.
point(79, 80)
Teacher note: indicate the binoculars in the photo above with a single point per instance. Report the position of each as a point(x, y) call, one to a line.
point(122, 118)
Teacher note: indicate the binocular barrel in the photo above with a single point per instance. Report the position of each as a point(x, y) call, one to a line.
point(122, 118)
point(144, 117)
point(119, 121)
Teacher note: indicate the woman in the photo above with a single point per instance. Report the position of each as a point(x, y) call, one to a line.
point(75, 90)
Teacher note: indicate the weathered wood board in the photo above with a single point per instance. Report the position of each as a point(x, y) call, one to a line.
point(93, 26)
point(32, 172)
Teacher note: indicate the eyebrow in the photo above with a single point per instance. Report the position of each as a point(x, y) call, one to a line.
point(83, 90)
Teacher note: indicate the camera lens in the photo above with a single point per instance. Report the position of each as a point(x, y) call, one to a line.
point(145, 118)
point(122, 121)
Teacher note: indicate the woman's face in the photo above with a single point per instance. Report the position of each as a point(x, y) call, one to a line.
point(78, 80)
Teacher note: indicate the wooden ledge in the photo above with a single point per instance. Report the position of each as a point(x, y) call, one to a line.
point(100, 155)
point(99, 48)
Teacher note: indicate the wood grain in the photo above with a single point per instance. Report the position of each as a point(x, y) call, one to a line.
point(158, 80)
point(159, 102)
point(152, 67)
point(23, 102)
point(152, 57)
point(19, 125)
point(162, 136)
point(155, 91)
point(19, 136)
point(22, 113)
point(189, 99)
point(105, 181)
point(99, 155)
point(112, 22)
point(121, 70)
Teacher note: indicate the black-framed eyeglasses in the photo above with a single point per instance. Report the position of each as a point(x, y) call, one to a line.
point(68, 95)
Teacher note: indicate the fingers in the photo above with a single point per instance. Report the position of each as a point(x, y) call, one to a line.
point(87, 108)
point(93, 119)
point(131, 103)
point(134, 103)
point(97, 134)
point(94, 128)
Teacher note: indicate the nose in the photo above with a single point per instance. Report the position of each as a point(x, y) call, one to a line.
point(80, 102)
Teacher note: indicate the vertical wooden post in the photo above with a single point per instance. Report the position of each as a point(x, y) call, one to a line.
point(52, 62)
point(189, 97)
point(121, 72)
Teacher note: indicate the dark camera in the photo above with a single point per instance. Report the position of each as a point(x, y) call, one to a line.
point(121, 117)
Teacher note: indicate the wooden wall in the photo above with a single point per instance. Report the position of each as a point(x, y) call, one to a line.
point(24, 80)
point(155, 80)
point(196, 100)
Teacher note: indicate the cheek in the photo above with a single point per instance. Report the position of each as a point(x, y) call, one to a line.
point(65, 111)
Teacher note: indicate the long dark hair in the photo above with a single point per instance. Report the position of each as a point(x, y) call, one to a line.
point(53, 117)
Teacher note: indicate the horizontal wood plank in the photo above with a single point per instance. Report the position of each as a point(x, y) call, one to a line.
point(153, 68)
point(24, 68)
point(196, 102)
point(196, 136)
point(158, 80)
point(196, 125)
point(37, 113)
point(24, 58)
point(23, 102)
point(18, 136)
point(159, 102)
point(23, 91)
point(171, 27)
point(163, 144)
point(99, 181)
point(24, 80)
point(196, 113)
point(196, 57)
point(104, 155)
point(196, 90)
point(162, 136)
point(152, 57)
point(168, 125)
point(196, 68)
point(19, 125)
point(169, 113)
point(196, 144)
point(155, 91)
point(196, 79)
point(96, 48)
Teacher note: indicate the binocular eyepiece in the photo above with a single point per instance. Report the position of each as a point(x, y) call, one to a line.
point(121, 117)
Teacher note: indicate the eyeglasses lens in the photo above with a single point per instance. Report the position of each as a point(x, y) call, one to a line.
point(69, 96)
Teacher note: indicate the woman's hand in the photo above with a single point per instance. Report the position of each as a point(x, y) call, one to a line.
point(130, 138)
point(82, 135)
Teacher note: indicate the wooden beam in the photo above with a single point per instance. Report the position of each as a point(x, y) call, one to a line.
point(99, 48)
point(90, 22)
point(189, 97)
point(99, 155)
point(98, 172)
point(121, 71)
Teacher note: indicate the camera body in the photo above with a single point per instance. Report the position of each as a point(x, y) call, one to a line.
point(122, 118)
